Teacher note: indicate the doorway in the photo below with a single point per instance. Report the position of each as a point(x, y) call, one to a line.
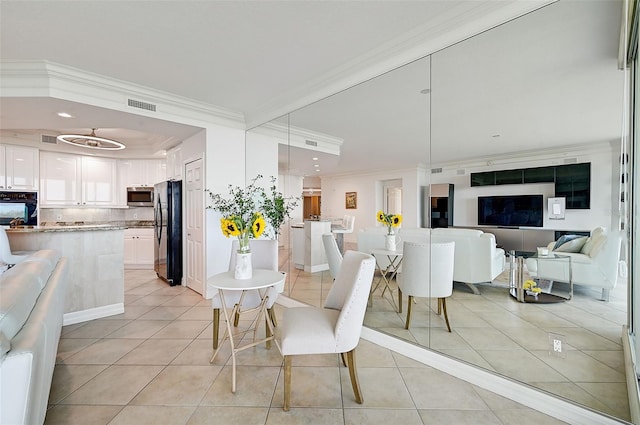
point(194, 217)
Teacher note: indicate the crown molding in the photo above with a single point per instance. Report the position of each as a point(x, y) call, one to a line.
point(49, 79)
point(465, 20)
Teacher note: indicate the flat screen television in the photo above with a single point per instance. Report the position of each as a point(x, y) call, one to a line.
point(511, 211)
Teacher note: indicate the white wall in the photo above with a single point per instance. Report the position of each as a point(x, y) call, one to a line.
point(603, 187)
point(369, 190)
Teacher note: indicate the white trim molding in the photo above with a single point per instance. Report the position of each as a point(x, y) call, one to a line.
point(92, 314)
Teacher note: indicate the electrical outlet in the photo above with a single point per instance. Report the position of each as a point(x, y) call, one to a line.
point(59, 217)
point(557, 345)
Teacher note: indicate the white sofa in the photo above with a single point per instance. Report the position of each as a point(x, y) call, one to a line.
point(595, 265)
point(476, 258)
point(32, 299)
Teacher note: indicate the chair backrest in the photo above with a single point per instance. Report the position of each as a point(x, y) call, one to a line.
point(350, 294)
point(427, 269)
point(334, 257)
point(264, 254)
point(351, 222)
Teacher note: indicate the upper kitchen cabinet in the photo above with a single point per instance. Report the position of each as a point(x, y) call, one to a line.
point(174, 163)
point(138, 173)
point(74, 180)
point(18, 168)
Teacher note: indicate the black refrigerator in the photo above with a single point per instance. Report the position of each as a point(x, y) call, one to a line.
point(167, 227)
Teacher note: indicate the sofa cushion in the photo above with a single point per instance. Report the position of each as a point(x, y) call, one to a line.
point(571, 245)
point(591, 240)
point(18, 294)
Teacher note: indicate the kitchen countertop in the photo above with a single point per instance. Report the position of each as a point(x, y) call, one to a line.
point(70, 228)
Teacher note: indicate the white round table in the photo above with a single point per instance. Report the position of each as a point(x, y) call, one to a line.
point(261, 280)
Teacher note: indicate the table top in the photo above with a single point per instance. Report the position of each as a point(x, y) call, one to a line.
point(261, 278)
point(396, 253)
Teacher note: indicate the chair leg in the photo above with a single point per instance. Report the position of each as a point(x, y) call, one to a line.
point(444, 310)
point(287, 383)
point(439, 306)
point(216, 327)
point(344, 359)
point(353, 374)
point(409, 303)
point(272, 316)
point(236, 319)
point(399, 300)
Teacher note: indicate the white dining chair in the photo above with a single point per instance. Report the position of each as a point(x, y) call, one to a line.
point(427, 272)
point(264, 255)
point(6, 256)
point(334, 256)
point(335, 328)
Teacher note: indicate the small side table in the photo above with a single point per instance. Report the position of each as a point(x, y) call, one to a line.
point(260, 281)
point(389, 272)
point(553, 262)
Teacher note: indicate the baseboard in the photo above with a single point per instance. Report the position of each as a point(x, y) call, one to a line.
point(92, 313)
point(513, 390)
point(633, 391)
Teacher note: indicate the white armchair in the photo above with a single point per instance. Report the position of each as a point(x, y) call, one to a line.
point(335, 328)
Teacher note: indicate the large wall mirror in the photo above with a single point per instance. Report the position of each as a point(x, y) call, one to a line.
point(538, 91)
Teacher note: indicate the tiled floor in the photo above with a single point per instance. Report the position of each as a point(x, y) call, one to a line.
point(150, 365)
point(497, 333)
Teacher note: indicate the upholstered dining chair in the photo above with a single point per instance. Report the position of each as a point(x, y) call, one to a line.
point(334, 256)
point(335, 328)
point(264, 255)
point(427, 271)
point(6, 256)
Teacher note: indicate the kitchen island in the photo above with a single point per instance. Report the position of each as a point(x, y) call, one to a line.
point(95, 254)
point(308, 249)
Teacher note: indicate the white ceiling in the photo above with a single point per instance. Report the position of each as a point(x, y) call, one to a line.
point(546, 79)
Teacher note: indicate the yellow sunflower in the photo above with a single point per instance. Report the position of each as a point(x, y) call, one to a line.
point(229, 227)
point(258, 226)
point(381, 217)
point(396, 220)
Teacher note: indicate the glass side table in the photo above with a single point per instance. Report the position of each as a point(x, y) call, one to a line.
point(552, 275)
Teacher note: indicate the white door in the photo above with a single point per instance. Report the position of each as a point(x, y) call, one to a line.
point(194, 213)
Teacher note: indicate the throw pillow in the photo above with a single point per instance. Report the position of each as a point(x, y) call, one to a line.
point(588, 245)
point(598, 243)
point(564, 239)
point(574, 245)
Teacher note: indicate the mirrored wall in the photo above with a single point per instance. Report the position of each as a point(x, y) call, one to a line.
point(512, 98)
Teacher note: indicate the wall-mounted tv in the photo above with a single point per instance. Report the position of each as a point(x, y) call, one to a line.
point(511, 211)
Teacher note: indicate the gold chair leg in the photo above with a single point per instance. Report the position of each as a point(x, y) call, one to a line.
point(409, 303)
point(236, 319)
point(344, 359)
point(267, 332)
point(439, 306)
point(354, 376)
point(272, 316)
point(287, 383)
point(444, 309)
point(216, 327)
point(399, 300)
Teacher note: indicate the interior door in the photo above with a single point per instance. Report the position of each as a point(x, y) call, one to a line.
point(194, 213)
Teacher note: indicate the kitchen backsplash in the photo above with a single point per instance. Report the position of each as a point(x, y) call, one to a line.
point(94, 215)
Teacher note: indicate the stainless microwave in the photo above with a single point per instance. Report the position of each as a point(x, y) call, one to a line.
point(140, 196)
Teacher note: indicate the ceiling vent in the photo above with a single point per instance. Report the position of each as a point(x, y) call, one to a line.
point(311, 143)
point(460, 172)
point(141, 105)
point(436, 170)
point(49, 139)
point(570, 160)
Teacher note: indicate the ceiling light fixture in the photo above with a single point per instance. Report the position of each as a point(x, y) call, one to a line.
point(64, 115)
point(90, 141)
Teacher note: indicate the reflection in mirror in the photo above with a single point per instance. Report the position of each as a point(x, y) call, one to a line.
point(510, 98)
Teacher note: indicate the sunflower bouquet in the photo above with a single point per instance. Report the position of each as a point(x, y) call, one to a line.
point(531, 287)
point(389, 220)
point(241, 217)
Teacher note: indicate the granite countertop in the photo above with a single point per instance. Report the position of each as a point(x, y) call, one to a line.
point(77, 226)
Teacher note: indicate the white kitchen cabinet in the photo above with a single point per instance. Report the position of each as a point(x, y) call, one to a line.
point(138, 248)
point(75, 180)
point(174, 163)
point(18, 167)
point(138, 172)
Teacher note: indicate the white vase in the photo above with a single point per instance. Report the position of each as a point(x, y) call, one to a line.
point(390, 242)
point(243, 268)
